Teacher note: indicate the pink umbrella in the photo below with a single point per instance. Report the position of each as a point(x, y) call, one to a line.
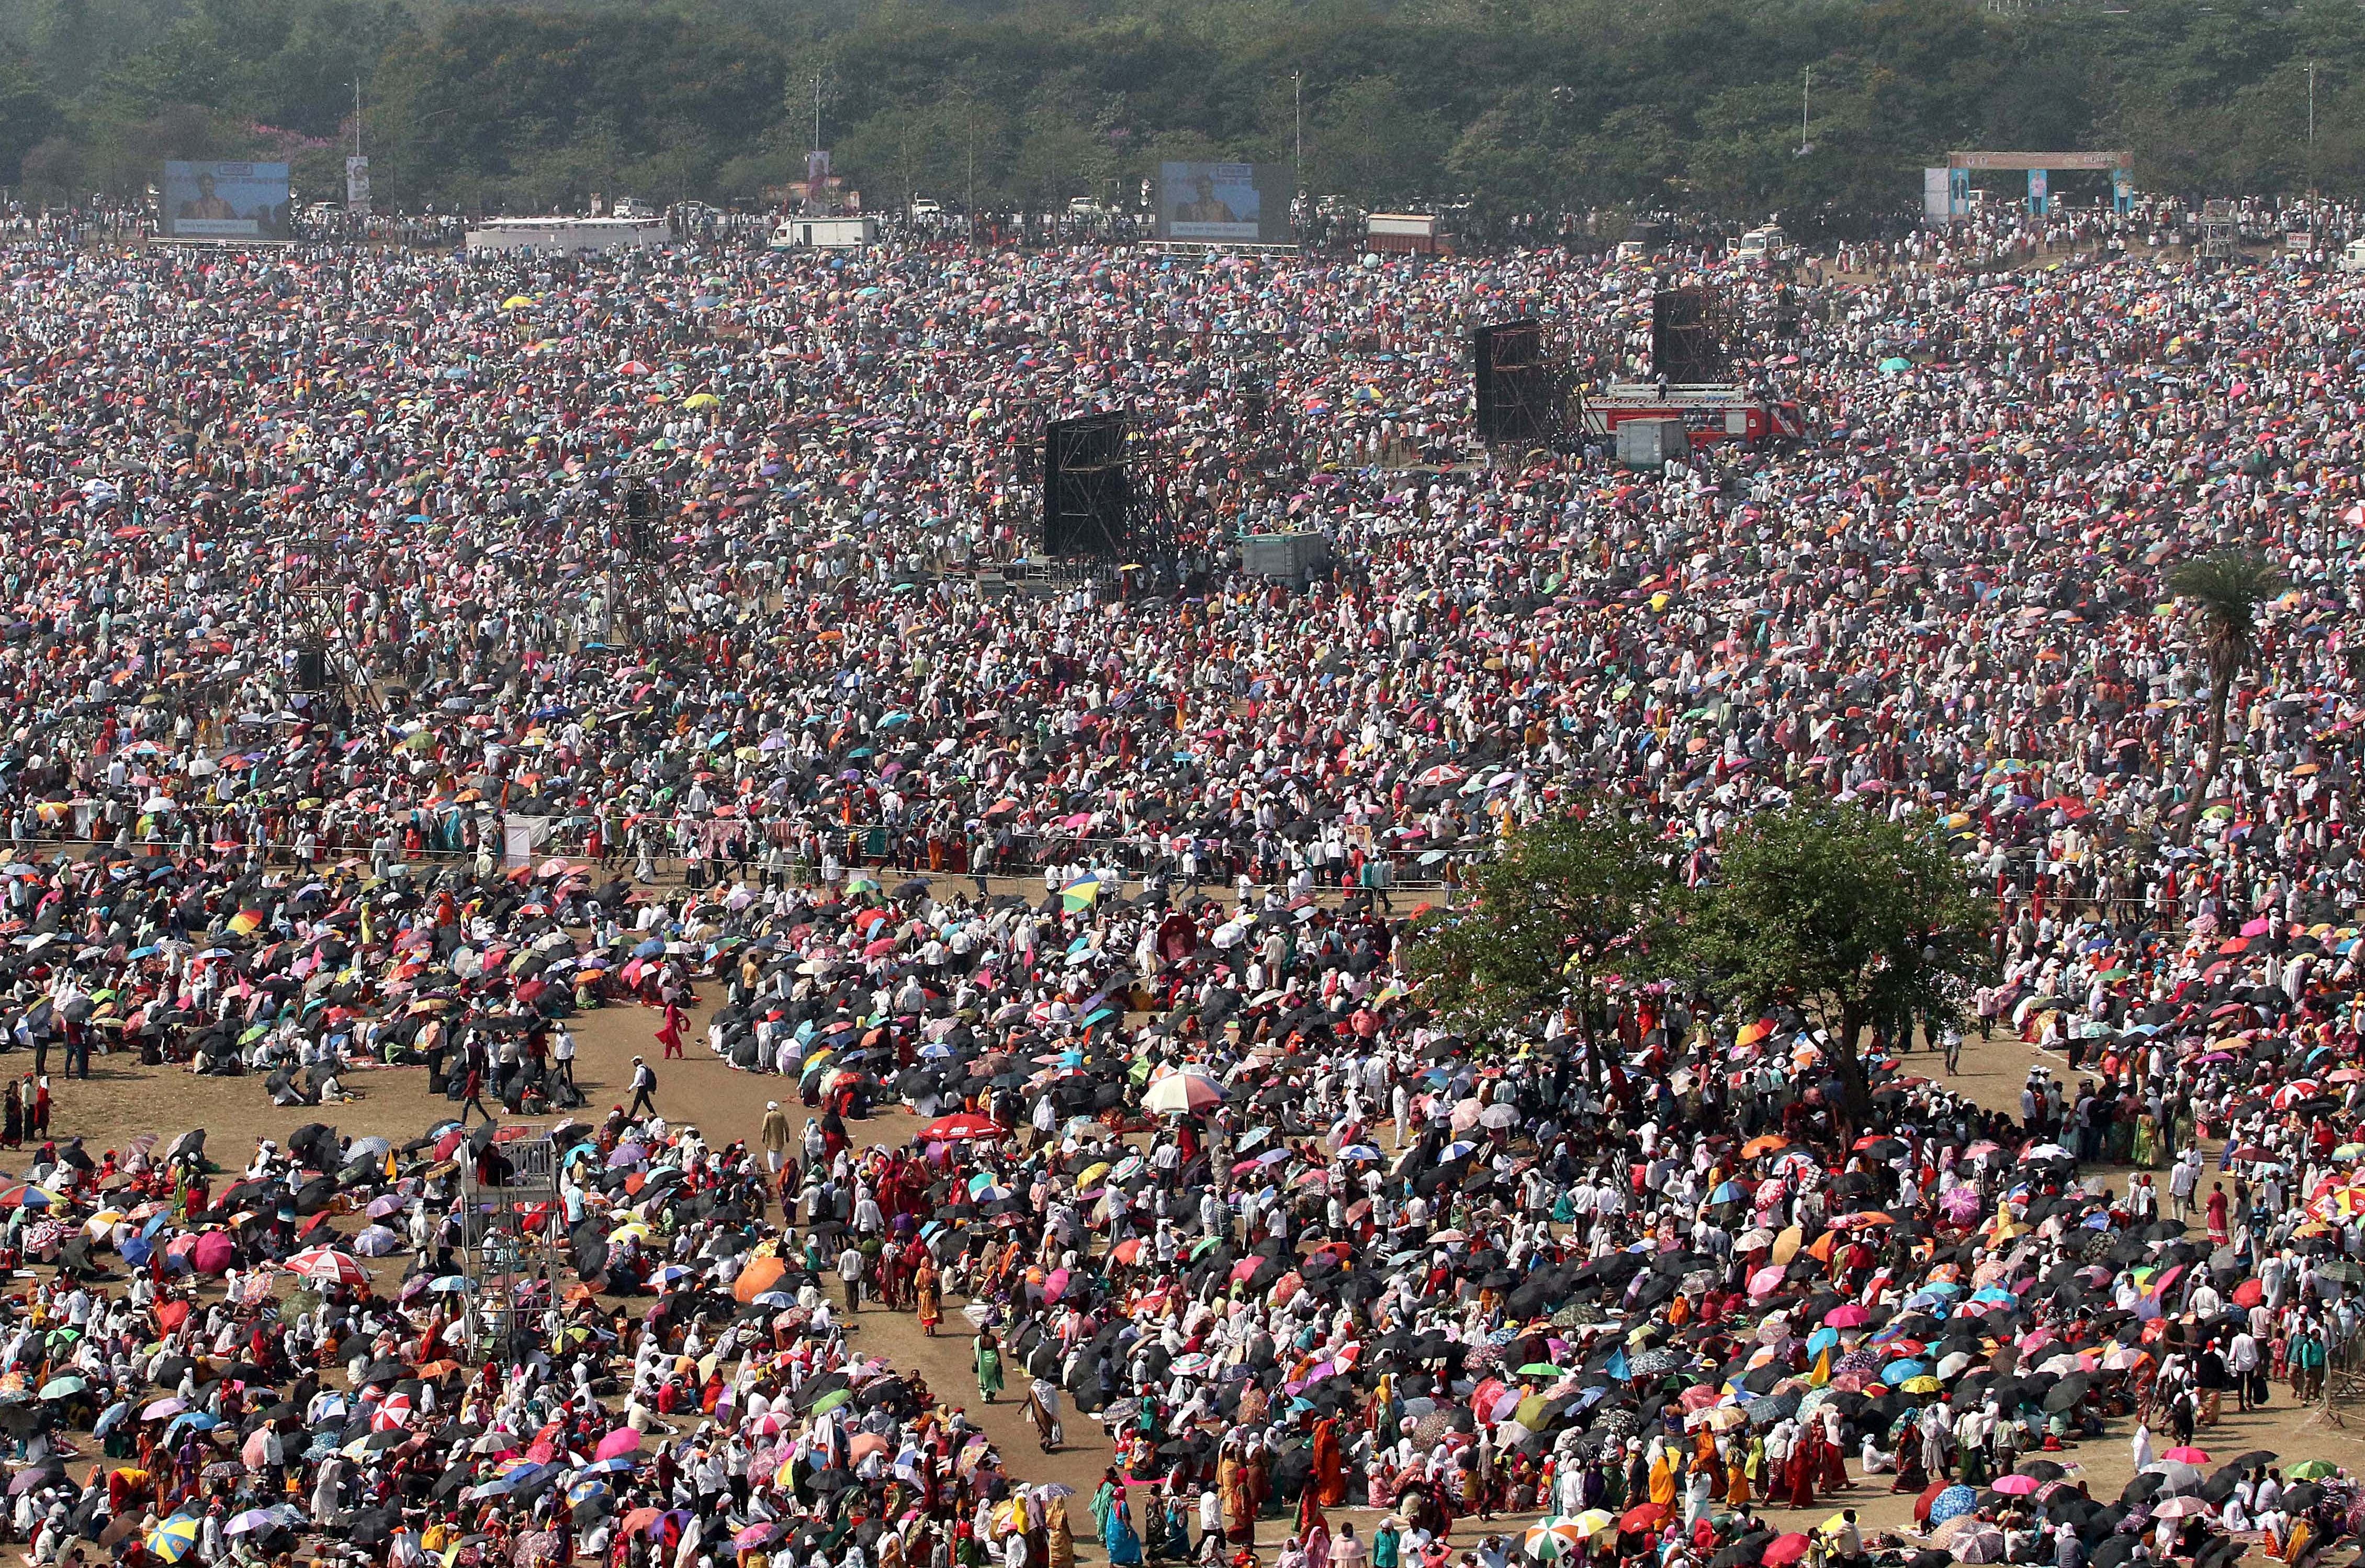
point(212, 1253)
point(2015, 1485)
point(1851, 1316)
point(1767, 1280)
point(620, 1441)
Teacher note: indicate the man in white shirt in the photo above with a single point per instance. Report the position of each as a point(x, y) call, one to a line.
point(2242, 1366)
point(562, 1055)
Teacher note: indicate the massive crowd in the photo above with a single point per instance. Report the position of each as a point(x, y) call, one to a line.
point(359, 719)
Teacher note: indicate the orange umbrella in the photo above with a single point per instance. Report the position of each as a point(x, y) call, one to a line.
point(756, 1278)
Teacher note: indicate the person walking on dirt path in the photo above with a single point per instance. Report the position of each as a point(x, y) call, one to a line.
point(670, 1033)
point(775, 1135)
point(644, 1089)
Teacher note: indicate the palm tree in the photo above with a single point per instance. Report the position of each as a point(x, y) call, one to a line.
point(2225, 591)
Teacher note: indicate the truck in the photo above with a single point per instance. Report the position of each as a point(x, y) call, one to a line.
point(1766, 246)
point(849, 233)
point(1643, 241)
point(1410, 233)
point(1709, 411)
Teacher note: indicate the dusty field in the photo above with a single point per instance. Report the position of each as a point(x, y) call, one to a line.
point(122, 1098)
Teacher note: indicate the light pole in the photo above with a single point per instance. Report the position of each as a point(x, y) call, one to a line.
point(1297, 96)
point(2311, 129)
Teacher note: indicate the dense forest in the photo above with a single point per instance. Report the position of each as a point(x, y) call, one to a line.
point(1520, 104)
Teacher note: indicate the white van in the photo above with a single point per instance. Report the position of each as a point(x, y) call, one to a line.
point(2352, 258)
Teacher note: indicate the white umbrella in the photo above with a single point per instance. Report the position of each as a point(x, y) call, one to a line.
point(1181, 1093)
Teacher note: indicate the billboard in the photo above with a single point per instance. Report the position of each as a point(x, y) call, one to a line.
point(223, 201)
point(357, 185)
point(1238, 204)
point(1937, 195)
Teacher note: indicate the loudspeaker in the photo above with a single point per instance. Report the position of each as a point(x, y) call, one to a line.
point(1506, 373)
point(311, 669)
point(1086, 493)
point(1687, 345)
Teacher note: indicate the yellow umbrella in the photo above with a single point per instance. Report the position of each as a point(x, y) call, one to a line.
point(700, 400)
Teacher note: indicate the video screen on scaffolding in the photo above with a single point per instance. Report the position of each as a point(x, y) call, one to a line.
point(1236, 204)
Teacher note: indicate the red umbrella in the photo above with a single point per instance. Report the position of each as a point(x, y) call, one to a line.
point(962, 1124)
point(1783, 1549)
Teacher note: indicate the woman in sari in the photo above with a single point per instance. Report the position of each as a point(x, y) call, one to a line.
point(1327, 1480)
point(1798, 1474)
point(1117, 1536)
point(989, 1366)
point(1240, 1505)
point(1059, 1540)
point(927, 1294)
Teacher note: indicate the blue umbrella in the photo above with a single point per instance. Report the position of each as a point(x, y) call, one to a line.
point(1952, 1503)
point(1896, 1372)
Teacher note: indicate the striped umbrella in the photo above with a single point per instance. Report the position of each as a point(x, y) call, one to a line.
point(1550, 1540)
point(172, 1540)
point(327, 1266)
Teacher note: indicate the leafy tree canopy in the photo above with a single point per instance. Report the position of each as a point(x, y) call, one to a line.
point(1842, 915)
point(1519, 103)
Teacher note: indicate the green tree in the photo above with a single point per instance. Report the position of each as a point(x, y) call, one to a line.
point(1842, 915)
point(1369, 141)
point(2224, 591)
point(1559, 902)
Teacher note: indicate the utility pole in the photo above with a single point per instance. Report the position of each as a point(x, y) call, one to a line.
point(1806, 96)
point(816, 82)
point(2311, 128)
point(1297, 95)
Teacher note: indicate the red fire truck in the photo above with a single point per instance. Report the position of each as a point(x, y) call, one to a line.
point(1710, 413)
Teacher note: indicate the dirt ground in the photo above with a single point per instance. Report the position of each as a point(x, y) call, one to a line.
point(122, 1098)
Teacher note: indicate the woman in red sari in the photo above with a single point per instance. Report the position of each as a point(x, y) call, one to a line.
point(1798, 1471)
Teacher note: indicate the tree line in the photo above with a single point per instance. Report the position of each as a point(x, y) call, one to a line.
point(1822, 109)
